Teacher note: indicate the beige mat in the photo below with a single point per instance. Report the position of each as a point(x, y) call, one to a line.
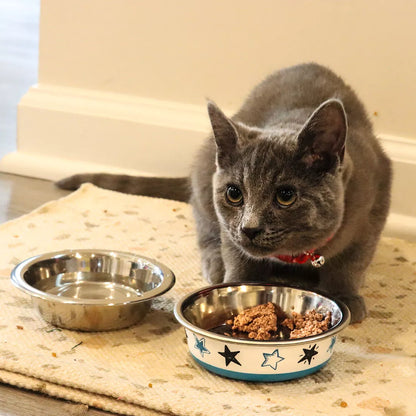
point(146, 369)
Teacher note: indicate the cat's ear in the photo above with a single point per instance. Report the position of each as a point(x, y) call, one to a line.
point(225, 134)
point(322, 138)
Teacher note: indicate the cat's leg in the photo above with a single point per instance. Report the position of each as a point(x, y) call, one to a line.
point(241, 271)
point(209, 241)
point(212, 263)
point(342, 276)
point(239, 267)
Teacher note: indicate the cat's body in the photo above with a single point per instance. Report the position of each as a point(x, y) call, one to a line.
point(291, 172)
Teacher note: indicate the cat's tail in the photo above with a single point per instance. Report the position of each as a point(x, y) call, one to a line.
point(178, 189)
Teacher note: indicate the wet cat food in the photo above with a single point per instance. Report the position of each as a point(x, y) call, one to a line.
point(259, 322)
point(310, 323)
point(268, 322)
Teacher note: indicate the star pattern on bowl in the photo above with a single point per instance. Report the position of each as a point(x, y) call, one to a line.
point(271, 360)
point(229, 356)
point(200, 345)
point(308, 354)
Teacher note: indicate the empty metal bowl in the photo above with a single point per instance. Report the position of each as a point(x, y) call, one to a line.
point(204, 312)
point(92, 290)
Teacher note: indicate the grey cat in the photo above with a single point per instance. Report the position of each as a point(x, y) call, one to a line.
point(294, 178)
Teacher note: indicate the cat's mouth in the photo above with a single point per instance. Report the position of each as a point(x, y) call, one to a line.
point(263, 252)
point(267, 249)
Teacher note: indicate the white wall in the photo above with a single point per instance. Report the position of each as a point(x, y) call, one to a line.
point(123, 83)
point(186, 50)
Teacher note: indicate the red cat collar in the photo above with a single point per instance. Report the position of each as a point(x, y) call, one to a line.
point(316, 259)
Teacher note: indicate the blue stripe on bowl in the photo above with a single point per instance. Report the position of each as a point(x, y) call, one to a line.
point(259, 377)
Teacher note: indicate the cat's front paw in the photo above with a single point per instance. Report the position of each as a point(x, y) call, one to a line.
point(356, 305)
point(213, 270)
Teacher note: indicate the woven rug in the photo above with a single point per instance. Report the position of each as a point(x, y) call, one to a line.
point(147, 370)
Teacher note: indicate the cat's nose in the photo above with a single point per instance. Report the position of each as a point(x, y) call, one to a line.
point(251, 232)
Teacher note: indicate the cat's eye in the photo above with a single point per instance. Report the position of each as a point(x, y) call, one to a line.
point(234, 195)
point(286, 196)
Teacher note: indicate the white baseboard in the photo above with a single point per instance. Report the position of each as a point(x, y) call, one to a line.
point(52, 168)
point(62, 131)
point(81, 128)
point(401, 226)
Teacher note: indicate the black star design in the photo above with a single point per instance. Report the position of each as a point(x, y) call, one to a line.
point(229, 356)
point(308, 354)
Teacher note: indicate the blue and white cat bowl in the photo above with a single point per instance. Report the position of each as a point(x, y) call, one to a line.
point(203, 314)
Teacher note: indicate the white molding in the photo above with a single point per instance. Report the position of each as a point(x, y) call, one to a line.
point(76, 128)
point(401, 226)
point(400, 149)
point(54, 168)
point(117, 106)
point(62, 131)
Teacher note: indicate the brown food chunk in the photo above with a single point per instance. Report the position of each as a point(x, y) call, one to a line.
point(258, 321)
point(262, 322)
point(311, 323)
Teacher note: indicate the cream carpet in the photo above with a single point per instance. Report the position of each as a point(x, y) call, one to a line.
point(147, 370)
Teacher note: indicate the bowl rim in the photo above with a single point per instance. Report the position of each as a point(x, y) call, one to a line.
point(344, 322)
point(18, 271)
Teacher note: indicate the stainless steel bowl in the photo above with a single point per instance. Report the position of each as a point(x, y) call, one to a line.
point(203, 313)
point(92, 290)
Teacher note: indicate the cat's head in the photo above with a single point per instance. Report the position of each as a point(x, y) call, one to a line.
point(279, 191)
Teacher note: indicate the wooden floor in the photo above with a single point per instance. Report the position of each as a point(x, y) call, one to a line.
point(20, 195)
